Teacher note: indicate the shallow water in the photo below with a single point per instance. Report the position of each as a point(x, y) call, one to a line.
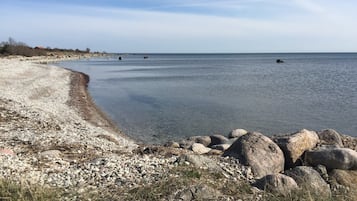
point(168, 96)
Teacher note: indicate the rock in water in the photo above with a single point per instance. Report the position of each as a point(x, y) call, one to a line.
point(277, 184)
point(310, 179)
point(259, 152)
point(330, 137)
point(333, 158)
point(236, 133)
point(295, 145)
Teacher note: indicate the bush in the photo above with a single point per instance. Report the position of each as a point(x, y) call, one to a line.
point(11, 47)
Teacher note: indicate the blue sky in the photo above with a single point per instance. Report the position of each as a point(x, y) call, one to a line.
point(183, 25)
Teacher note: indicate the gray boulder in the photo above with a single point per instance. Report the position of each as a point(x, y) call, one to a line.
point(277, 184)
point(310, 179)
point(218, 139)
point(199, 148)
point(330, 137)
point(236, 133)
point(295, 145)
point(334, 158)
point(259, 152)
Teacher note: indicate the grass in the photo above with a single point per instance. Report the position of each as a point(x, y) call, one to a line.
point(179, 179)
point(183, 178)
point(23, 192)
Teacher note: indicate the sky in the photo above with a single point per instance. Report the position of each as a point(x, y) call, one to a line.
point(183, 26)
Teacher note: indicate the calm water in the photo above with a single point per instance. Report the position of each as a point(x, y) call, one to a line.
point(171, 96)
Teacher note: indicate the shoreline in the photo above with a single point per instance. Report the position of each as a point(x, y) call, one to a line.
point(81, 99)
point(53, 135)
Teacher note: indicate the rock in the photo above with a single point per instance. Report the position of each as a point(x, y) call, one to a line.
point(200, 192)
point(237, 133)
point(322, 170)
point(200, 161)
point(349, 142)
point(232, 140)
point(172, 144)
point(205, 140)
point(221, 147)
point(218, 139)
point(330, 137)
point(335, 158)
point(215, 152)
point(295, 145)
point(50, 154)
point(259, 152)
point(277, 184)
point(309, 179)
point(186, 144)
point(200, 148)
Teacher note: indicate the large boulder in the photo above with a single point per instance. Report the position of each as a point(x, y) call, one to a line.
point(295, 145)
point(277, 184)
point(259, 152)
point(236, 133)
point(330, 137)
point(309, 179)
point(333, 158)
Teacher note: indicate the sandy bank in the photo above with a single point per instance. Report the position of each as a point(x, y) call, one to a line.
point(58, 96)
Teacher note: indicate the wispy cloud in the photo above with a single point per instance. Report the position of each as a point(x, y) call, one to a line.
point(310, 5)
point(300, 26)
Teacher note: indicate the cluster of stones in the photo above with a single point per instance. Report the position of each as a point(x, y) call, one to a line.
point(280, 164)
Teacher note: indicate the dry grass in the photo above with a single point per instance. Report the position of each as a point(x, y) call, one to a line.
point(23, 192)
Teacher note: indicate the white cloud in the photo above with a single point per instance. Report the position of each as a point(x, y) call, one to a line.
point(130, 30)
point(310, 5)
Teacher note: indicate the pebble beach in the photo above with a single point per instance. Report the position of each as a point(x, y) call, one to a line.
point(53, 135)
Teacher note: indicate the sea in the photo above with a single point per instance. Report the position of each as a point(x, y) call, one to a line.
point(154, 98)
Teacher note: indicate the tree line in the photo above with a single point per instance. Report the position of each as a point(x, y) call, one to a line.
point(13, 47)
